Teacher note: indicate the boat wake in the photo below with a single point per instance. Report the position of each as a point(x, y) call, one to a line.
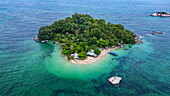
point(149, 34)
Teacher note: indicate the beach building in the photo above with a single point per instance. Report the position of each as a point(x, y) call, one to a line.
point(138, 39)
point(101, 49)
point(75, 56)
point(121, 44)
point(106, 48)
point(91, 53)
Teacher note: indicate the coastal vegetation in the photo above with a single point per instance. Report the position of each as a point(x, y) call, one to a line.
point(97, 51)
point(82, 55)
point(82, 33)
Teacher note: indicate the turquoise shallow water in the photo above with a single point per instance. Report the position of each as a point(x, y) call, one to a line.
point(28, 68)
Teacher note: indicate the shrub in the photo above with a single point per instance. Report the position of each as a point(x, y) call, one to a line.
point(69, 58)
point(82, 55)
point(97, 51)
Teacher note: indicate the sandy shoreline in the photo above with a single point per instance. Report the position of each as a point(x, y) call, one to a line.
point(90, 60)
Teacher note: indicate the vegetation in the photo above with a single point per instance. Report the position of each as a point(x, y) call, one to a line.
point(69, 57)
point(82, 55)
point(97, 51)
point(81, 33)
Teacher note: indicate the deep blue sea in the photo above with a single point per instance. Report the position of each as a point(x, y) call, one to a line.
point(28, 68)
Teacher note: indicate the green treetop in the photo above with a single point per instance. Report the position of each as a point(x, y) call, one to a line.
point(97, 51)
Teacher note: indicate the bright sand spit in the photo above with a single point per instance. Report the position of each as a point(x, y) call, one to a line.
point(90, 60)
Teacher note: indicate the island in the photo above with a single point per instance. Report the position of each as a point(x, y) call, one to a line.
point(161, 14)
point(83, 39)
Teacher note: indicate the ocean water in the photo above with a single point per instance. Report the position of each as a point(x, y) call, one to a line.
point(28, 68)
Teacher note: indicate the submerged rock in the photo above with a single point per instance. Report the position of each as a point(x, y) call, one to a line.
point(138, 61)
point(125, 49)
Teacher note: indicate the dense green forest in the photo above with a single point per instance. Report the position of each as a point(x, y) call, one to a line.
point(81, 33)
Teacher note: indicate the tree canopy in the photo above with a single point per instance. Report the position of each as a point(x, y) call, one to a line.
point(97, 51)
point(81, 33)
point(82, 55)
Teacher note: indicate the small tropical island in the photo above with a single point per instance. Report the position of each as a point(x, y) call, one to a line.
point(83, 39)
point(161, 14)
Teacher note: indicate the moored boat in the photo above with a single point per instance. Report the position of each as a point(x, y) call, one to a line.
point(112, 53)
point(156, 32)
point(160, 14)
point(44, 41)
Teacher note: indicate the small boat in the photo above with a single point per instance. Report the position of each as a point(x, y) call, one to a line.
point(44, 41)
point(115, 80)
point(161, 14)
point(112, 53)
point(156, 32)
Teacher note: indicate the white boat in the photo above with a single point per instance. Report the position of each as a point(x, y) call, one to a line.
point(115, 80)
point(161, 14)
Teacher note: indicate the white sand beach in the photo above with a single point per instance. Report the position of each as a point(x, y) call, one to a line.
point(90, 60)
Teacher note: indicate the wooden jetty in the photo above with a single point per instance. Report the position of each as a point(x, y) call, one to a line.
point(115, 80)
